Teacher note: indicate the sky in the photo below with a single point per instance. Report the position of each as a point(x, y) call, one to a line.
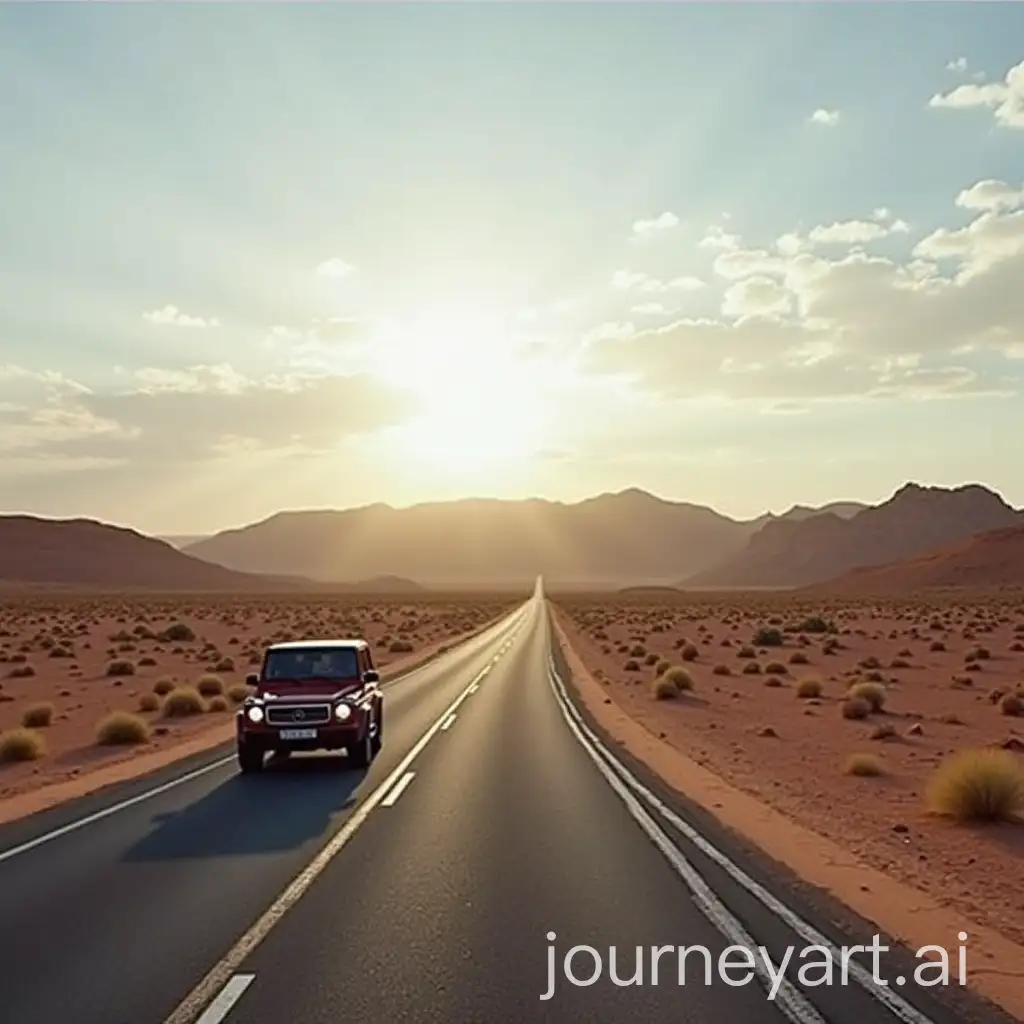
point(258, 257)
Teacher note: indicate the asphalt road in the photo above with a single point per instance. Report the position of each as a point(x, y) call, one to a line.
point(422, 891)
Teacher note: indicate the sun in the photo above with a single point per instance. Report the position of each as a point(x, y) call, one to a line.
point(476, 393)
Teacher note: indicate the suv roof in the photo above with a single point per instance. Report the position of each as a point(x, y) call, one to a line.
point(291, 645)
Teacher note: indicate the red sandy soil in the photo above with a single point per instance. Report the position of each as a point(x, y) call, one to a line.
point(230, 634)
point(790, 753)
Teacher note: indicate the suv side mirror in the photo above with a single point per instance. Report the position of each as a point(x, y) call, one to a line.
point(371, 675)
point(252, 679)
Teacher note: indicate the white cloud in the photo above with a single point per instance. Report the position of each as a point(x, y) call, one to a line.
point(171, 316)
point(958, 64)
point(645, 229)
point(991, 195)
point(182, 414)
point(797, 326)
point(1005, 98)
point(855, 232)
point(650, 309)
point(829, 118)
point(631, 280)
point(718, 238)
point(757, 296)
point(335, 268)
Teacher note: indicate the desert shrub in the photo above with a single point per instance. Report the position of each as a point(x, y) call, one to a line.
point(883, 732)
point(147, 662)
point(752, 668)
point(776, 668)
point(768, 637)
point(25, 671)
point(815, 624)
point(855, 708)
point(210, 686)
point(149, 702)
point(936, 646)
point(808, 689)
point(721, 669)
point(873, 693)
point(217, 704)
point(400, 647)
point(773, 681)
point(631, 666)
point(37, 716)
point(182, 702)
point(798, 658)
point(121, 728)
point(239, 692)
point(977, 785)
point(746, 652)
point(21, 745)
point(664, 688)
point(689, 652)
point(162, 687)
point(679, 677)
point(1012, 704)
point(224, 665)
point(637, 651)
point(178, 633)
point(863, 765)
point(121, 667)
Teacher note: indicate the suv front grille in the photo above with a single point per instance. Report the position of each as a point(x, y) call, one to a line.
point(299, 714)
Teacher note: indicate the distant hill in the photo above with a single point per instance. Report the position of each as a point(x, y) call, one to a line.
point(183, 540)
point(994, 559)
point(843, 509)
point(914, 521)
point(85, 553)
point(629, 537)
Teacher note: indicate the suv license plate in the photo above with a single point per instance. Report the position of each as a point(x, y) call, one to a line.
point(298, 734)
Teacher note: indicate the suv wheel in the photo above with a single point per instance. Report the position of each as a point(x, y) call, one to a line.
point(378, 732)
point(250, 758)
point(363, 753)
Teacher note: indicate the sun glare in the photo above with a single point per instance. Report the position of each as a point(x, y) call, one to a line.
point(476, 392)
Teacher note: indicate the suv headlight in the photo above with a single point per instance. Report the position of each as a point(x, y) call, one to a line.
point(255, 713)
point(342, 712)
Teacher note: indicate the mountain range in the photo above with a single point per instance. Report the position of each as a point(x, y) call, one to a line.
point(631, 538)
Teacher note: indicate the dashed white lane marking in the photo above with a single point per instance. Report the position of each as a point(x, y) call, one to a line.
point(188, 1010)
point(448, 722)
point(122, 805)
point(397, 790)
point(229, 995)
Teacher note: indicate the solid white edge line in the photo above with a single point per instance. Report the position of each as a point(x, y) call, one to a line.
point(899, 1006)
point(229, 995)
point(188, 1010)
point(31, 844)
point(398, 789)
point(122, 805)
point(789, 999)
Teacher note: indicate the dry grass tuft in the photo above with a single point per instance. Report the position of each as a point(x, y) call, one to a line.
point(978, 785)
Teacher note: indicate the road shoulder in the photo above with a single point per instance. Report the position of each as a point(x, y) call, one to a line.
point(907, 915)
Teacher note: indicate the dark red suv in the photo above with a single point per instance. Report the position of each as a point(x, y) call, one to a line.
point(312, 695)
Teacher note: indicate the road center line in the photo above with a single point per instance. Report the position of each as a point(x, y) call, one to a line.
point(448, 722)
point(398, 789)
point(187, 1012)
point(122, 805)
point(229, 995)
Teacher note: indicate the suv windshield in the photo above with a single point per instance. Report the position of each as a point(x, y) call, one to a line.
point(312, 663)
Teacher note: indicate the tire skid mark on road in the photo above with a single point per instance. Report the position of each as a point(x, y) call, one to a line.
point(620, 778)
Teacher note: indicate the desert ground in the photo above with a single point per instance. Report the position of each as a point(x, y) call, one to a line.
point(170, 668)
point(756, 688)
